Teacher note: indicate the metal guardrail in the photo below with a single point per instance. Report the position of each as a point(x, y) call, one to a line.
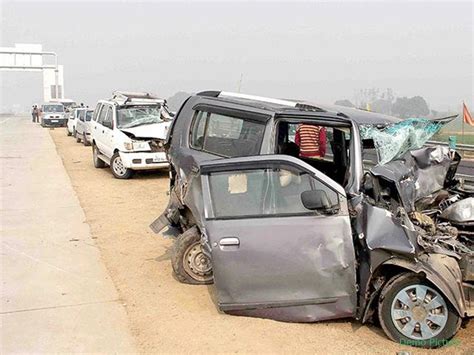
point(459, 147)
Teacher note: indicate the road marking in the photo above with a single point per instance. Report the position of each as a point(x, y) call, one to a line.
point(5, 120)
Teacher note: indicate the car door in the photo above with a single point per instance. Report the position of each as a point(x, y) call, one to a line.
point(97, 127)
point(108, 132)
point(80, 123)
point(272, 256)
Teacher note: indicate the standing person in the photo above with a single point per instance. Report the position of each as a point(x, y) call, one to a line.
point(312, 140)
point(33, 113)
point(38, 114)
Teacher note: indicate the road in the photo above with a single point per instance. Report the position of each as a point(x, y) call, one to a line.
point(56, 294)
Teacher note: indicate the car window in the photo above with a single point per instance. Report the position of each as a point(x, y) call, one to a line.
point(108, 120)
point(96, 112)
point(89, 115)
point(102, 114)
point(263, 192)
point(225, 135)
point(81, 115)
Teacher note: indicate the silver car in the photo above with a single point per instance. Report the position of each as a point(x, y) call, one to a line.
point(83, 126)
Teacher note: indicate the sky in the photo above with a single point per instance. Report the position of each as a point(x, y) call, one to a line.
point(317, 51)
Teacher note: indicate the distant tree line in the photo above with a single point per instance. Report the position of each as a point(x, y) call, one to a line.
point(384, 101)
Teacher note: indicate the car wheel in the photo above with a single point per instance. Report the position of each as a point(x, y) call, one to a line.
point(190, 264)
point(67, 132)
point(84, 140)
point(78, 138)
point(118, 169)
point(98, 163)
point(413, 312)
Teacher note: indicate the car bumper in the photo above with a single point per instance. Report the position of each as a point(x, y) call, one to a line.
point(144, 160)
point(54, 122)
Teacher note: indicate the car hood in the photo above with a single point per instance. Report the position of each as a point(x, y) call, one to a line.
point(420, 173)
point(155, 130)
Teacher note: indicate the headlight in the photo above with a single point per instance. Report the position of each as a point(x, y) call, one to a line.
point(140, 146)
point(136, 145)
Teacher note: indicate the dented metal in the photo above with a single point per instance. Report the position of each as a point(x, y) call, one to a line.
point(407, 214)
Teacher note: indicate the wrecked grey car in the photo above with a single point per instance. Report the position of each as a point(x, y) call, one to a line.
point(378, 227)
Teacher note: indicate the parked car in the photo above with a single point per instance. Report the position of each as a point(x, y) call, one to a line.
point(128, 133)
point(83, 127)
point(53, 115)
point(68, 104)
point(73, 117)
point(308, 239)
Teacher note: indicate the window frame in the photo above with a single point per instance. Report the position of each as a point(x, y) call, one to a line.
point(206, 126)
point(206, 180)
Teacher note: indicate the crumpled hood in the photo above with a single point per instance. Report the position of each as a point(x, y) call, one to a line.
point(155, 130)
point(419, 173)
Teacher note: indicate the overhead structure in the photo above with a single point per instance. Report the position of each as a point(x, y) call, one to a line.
point(31, 57)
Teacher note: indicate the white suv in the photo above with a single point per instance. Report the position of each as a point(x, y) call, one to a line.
point(128, 133)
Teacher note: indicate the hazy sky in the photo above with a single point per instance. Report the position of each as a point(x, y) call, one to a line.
point(315, 51)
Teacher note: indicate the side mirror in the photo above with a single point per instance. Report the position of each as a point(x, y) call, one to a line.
point(315, 200)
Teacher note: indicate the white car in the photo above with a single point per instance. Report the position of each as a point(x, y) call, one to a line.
point(83, 129)
point(53, 115)
point(72, 121)
point(128, 133)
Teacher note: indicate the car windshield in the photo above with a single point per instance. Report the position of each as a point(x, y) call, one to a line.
point(89, 115)
point(128, 117)
point(394, 140)
point(53, 108)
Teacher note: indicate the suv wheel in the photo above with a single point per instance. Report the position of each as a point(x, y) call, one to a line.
point(67, 132)
point(98, 163)
point(189, 263)
point(78, 138)
point(118, 169)
point(413, 312)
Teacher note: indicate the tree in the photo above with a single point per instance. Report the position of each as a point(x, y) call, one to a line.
point(344, 102)
point(405, 107)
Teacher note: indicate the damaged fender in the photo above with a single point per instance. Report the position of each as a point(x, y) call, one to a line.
point(442, 271)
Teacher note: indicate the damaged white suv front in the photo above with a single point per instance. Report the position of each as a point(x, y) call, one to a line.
point(128, 133)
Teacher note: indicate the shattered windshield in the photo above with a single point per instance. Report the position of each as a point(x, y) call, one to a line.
point(392, 141)
point(133, 116)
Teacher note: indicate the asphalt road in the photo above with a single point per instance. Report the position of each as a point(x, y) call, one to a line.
point(56, 294)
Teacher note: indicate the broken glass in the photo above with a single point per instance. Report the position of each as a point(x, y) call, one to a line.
point(392, 141)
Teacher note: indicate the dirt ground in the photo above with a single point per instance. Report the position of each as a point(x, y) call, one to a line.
point(167, 316)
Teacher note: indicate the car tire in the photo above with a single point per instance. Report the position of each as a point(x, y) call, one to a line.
point(84, 140)
point(78, 138)
point(98, 163)
point(68, 133)
point(417, 323)
point(118, 170)
point(190, 264)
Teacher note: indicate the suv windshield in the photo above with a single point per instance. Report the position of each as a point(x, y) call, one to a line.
point(128, 117)
point(53, 108)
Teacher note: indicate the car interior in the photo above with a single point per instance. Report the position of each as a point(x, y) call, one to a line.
point(334, 163)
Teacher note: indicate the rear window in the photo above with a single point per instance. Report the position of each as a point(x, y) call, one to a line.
point(225, 135)
point(89, 115)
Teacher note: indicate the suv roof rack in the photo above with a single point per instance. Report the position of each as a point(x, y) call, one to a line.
point(299, 105)
point(125, 97)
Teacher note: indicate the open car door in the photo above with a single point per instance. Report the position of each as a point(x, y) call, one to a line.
point(279, 236)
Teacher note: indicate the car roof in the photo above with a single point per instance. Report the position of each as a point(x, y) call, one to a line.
point(297, 107)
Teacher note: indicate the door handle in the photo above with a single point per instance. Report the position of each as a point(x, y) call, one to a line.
point(229, 241)
point(103, 131)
